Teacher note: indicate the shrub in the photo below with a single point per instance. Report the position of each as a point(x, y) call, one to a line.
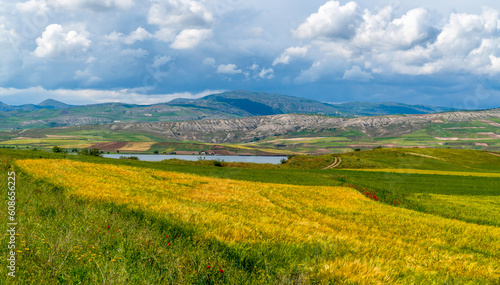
point(218, 162)
point(129, 157)
point(91, 152)
point(357, 149)
point(283, 160)
point(57, 149)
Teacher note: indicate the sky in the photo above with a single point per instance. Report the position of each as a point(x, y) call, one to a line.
point(435, 52)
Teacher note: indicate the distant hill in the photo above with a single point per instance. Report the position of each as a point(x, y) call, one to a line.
point(227, 105)
point(246, 104)
point(5, 108)
point(51, 103)
point(380, 109)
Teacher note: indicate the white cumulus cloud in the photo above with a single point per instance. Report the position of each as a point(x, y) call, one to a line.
point(228, 69)
point(179, 14)
point(190, 38)
point(287, 55)
point(140, 34)
point(266, 73)
point(331, 21)
point(418, 42)
point(356, 74)
point(55, 42)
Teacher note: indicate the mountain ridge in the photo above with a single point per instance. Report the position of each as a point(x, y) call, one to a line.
point(226, 105)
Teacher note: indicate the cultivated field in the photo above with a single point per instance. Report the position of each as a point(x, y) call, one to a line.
point(94, 220)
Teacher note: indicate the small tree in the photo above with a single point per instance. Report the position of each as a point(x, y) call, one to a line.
point(57, 149)
point(92, 152)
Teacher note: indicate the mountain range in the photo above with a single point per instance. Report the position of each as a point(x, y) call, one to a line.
point(234, 104)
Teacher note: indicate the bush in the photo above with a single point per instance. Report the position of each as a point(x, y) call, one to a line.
point(283, 160)
point(57, 149)
point(218, 162)
point(129, 157)
point(91, 152)
point(357, 149)
point(155, 152)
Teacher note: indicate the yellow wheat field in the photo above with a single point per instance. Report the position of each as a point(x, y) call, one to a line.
point(380, 241)
point(420, 171)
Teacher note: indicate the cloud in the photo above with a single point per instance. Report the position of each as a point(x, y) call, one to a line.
point(209, 61)
point(139, 34)
point(191, 38)
point(287, 55)
point(380, 30)
point(228, 69)
point(86, 77)
point(254, 67)
point(96, 5)
point(7, 35)
point(266, 73)
point(179, 14)
point(356, 74)
point(418, 42)
point(331, 21)
point(57, 43)
point(32, 6)
point(160, 61)
point(186, 23)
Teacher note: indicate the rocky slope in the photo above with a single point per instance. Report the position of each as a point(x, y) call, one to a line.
point(244, 129)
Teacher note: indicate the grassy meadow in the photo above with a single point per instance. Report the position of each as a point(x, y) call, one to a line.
point(400, 216)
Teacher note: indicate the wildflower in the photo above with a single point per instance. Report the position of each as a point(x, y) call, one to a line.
point(221, 271)
point(208, 267)
point(166, 236)
point(168, 243)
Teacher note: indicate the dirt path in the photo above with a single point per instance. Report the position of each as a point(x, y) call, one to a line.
point(495, 154)
point(335, 163)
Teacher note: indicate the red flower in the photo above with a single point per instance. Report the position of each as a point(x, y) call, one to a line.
point(168, 243)
point(221, 271)
point(178, 236)
point(108, 227)
point(166, 236)
point(208, 267)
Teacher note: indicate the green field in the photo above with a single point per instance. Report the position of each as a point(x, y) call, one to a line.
point(88, 220)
